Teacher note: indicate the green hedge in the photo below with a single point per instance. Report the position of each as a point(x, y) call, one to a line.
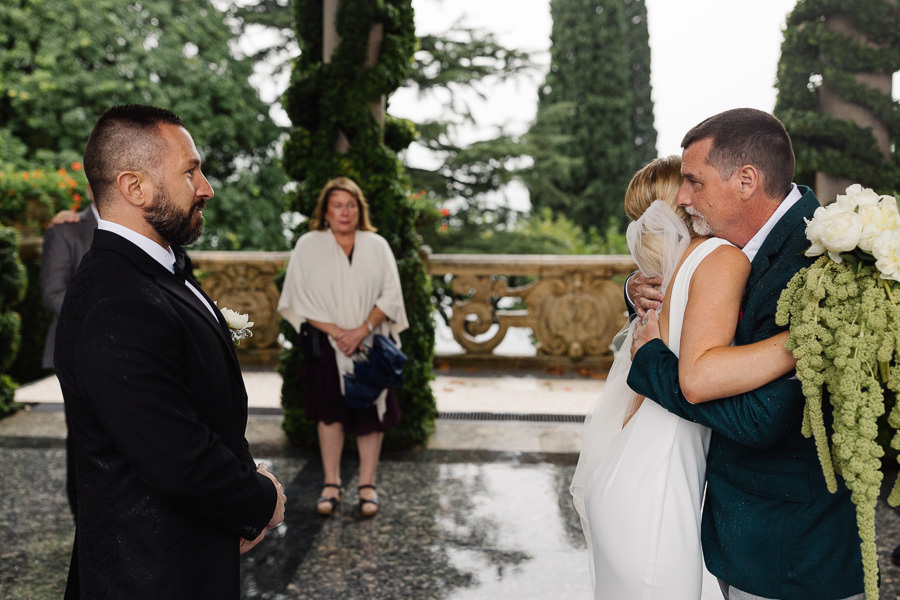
point(323, 101)
point(12, 290)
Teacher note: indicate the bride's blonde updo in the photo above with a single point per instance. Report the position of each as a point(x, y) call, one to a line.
point(658, 180)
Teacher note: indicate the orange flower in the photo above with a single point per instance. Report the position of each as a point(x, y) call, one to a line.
point(445, 212)
point(76, 166)
point(62, 171)
point(26, 175)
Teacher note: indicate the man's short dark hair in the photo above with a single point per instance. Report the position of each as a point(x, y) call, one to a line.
point(746, 136)
point(125, 138)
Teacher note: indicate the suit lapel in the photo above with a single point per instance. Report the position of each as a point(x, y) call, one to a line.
point(169, 282)
point(783, 231)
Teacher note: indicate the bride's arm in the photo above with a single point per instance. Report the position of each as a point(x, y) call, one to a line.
point(708, 366)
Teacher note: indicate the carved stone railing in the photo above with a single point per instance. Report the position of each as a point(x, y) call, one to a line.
point(571, 304)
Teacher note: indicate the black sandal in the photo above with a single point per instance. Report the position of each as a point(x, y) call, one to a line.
point(327, 506)
point(364, 503)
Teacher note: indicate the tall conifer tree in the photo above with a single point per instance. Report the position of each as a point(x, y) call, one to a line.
point(594, 126)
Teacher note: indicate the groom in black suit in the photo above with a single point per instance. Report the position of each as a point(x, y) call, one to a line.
point(771, 529)
point(168, 494)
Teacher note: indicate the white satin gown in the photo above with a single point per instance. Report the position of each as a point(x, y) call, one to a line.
point(642, 500)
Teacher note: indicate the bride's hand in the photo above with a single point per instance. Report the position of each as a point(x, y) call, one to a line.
point(645, 330)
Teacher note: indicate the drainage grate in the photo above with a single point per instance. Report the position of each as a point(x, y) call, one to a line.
point(487, 416)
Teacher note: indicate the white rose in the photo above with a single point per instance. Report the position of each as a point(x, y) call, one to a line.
point(857, 195)
point(834, 228)
point(887, 254)
point(877, 219)
point(236, 320)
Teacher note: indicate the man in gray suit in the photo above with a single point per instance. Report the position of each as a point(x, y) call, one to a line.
point(65, 242)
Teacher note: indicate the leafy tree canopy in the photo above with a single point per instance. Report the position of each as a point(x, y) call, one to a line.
point(64, 62)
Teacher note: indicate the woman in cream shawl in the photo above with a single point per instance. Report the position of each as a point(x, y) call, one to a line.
point(343, 280)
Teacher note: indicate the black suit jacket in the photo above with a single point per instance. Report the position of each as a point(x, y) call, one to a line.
point(63, 247)
point(157, 411)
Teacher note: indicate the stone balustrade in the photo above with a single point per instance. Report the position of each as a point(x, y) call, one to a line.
point(573, 304)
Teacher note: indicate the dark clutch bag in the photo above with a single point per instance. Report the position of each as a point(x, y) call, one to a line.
point(381, 368)
point(310, 341)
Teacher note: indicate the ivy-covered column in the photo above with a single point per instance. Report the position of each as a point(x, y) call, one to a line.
point(834, 94)
point(335, 132)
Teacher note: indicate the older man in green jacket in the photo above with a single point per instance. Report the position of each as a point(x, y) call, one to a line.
point(771, 529)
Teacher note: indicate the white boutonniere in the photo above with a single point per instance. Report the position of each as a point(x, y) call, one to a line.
point(238, 323)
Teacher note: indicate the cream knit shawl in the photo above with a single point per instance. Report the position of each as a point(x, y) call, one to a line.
point(322, 284)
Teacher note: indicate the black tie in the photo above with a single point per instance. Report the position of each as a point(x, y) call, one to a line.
point(182, 267)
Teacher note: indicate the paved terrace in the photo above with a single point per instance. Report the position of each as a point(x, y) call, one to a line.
point(482, 512)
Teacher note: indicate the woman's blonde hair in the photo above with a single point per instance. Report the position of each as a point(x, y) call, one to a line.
point(318, 222)
point(660, 179)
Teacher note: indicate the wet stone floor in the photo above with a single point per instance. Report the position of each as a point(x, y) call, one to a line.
point(450, 528)
point(455, 525)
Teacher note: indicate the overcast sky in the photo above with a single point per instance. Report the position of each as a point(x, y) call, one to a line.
point(706, 56)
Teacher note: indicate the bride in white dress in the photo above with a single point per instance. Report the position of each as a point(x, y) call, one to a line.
point(639, 482)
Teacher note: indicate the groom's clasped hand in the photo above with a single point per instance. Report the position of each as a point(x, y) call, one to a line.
point(277, 516)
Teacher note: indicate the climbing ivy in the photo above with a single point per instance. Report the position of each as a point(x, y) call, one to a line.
point(813, 55)
point(323, 101)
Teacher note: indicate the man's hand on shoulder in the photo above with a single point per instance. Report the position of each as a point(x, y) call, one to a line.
point(644, 293)
point(64, 216)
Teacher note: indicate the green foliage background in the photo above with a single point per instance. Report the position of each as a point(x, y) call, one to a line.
point(323, 100)
point(12, 290)
point(594, 126)
point(66, 61)
point(813, 55)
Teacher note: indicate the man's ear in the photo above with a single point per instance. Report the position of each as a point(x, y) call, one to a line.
point(749, 180)
point(134, 187)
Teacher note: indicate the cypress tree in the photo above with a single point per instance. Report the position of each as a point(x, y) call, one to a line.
point(594, 125)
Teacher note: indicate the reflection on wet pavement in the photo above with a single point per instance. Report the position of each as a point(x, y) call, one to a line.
point(454, 525)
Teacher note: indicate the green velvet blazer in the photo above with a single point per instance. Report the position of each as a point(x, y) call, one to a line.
point(770, 526)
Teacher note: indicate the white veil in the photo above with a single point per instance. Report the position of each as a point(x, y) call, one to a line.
point(657, 241)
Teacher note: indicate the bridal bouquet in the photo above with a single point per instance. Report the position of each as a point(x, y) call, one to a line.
point(844, 316)
point(239, 324)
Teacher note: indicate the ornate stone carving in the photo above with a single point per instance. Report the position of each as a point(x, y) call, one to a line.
point(573, 307)
point(570, 303)
point(576, 314)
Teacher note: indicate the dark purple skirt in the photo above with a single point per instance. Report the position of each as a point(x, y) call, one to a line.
point(325, 403)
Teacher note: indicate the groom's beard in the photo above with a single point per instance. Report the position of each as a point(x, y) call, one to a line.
point(176, 227)
point(698, 222)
